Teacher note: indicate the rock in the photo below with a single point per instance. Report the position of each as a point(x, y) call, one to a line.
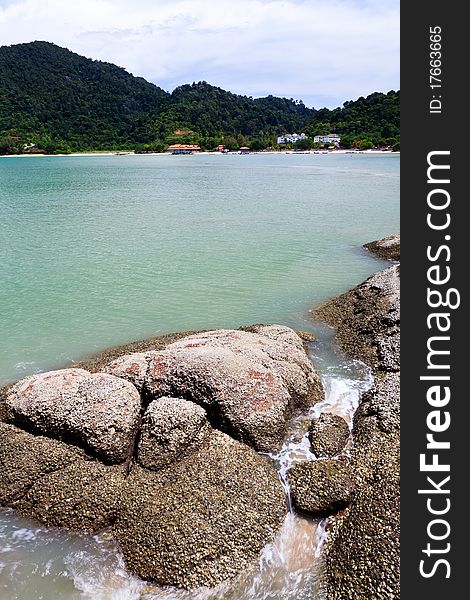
point(363, 551)
point(171, 428)
point(367, 319)
point(98, 411)
point(306, 336)
point(97, 362)
point(200, 513)
point(320, 487)
point(84, 496)
point(387, 248)
point(362, 559)
point(328, 435)
point(197, 521)
point(202, 520)
point(132, 367)
point(57, 484)
point(26, 458)
point(380, 406)
point(4, 391)
point(189, 505)
point(250, 382)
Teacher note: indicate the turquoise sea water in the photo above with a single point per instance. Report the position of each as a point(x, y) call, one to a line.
point(97, 251)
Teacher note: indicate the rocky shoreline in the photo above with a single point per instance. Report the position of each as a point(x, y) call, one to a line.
point(159, 440)
point(362, 555)
point(161, 446)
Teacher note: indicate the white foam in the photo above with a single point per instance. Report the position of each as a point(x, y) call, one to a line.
point(24, 534)
point(27, 367)
point(103, 576)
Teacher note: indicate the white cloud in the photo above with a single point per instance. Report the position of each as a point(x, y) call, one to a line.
point(323, 51)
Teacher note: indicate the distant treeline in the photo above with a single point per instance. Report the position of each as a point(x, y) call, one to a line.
point(55, 101)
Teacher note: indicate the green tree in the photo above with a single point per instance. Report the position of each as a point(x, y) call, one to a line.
point(258, 145)
point(7, 146)
point(231, 143)
point(305, 144)
point(347, 141)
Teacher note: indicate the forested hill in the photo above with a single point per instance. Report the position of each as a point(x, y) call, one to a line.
point(60, 102)
point(213, 112)
point(87, 103)
point(375, 119)
point(53, 96)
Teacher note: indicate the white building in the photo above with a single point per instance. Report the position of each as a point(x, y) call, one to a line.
point(330, 138)
point(291, 138)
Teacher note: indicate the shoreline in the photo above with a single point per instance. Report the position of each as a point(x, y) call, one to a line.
point(94, 360)
point(367, 327)
point(235, 152)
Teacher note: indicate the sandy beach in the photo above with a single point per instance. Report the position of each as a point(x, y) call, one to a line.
point(132, 153)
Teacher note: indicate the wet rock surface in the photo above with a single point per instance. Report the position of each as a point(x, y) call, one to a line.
point(190, 505)
point(250, 382)
point(388, 248)
point(363, 556)
point(202, 520)
point(321, 487)
point(328, 435)
point(367, 320)
point(26, 458)
point(363, 551)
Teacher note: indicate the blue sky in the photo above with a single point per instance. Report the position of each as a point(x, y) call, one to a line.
point(321, 51)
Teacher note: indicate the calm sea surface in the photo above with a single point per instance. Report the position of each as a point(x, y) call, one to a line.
point(97, 251)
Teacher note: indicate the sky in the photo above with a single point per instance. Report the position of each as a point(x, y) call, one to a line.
point(323, 52)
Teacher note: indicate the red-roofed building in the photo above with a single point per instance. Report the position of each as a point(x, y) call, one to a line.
point(184, 148)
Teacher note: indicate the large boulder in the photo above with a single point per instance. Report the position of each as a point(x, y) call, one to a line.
point(328, 435)
point(199, 512)
point(249, 382)
point(321, 487)
point(94, 410)
point(55, 483)
point(203, 519)
point(171, 428)
point(189, 505)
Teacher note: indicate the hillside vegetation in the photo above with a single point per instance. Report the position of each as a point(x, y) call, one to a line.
point(54, 100)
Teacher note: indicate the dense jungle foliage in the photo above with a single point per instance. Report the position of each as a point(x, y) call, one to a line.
point(55, 101)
